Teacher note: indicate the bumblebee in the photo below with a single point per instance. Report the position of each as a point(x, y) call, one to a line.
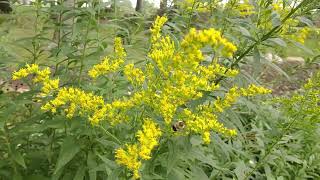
point(178, 126)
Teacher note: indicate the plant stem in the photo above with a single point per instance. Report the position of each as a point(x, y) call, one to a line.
point(84, 51)
point(111, 135)
point(264, 37)
point(269, 150)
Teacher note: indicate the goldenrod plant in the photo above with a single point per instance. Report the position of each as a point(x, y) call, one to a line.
point(118, 94)
point(175, 78)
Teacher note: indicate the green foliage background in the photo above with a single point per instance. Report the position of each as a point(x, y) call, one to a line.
point(36, 145)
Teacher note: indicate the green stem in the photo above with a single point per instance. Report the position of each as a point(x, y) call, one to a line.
point(264, 37)
point(84, 51)
point(269, 150)
point(111, 135)
point(190, 14)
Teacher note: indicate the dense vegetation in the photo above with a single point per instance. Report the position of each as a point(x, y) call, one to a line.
point(195, 89)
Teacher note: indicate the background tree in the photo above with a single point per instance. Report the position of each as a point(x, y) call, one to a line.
point(163, 7)
point(5, 6)
point(139, 5)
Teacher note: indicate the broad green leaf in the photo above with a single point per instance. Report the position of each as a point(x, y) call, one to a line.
point(176, 174)
point(172, 156)
point(16, 155)
point(198, 173)
point(69, 149)
point(91, 163)
point(278, 41)
point(80, 174)
point(241, 169)
point(306, 21)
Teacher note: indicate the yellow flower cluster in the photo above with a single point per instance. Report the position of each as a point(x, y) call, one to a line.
point(116, 111)
point(277, 9)
point(203, 122)
point(134, 75)
point(172, 79)
point(76, 99)
point(253, 90)
point(229, 99)
point(234, 93)
point(301, 35)
point(196, 5)
point(195, 40)
point(313, 83)
point(91, 106)
point(305, 105)
point(156, 28)
point(148, 139)
point(182, 76)
point(129, 158)
point(49, 86)
point(40, 76)
point(109, 64)
point(245, 8)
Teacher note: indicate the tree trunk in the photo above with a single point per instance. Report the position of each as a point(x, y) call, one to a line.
point(163, 7)
point(5, 6)
point(139, 5)
point(163, 4)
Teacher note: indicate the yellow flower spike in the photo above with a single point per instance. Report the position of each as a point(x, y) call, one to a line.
point(100, 69)
point(33, 68)
point(86, 102)
point(49, 86)
point(148, 138)
point(206, 137)
point(301, 35)
point(245, 9)
point(195, 40)
point(304, 105)
point(118, 48)
point(161, 53)
point(205, 121)
point(129, 158)
point(22, 73)
point(254, 90)
point(156, 28)
point(134, 75)
point(71, 110)
point(99, 114)
point(41, 76)
point(229, 99)
point(108, 64)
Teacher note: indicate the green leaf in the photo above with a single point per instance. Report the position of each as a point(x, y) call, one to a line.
point(107, 161)
point(17, 176)
point(304, 48)
point(244, 31)
point(80, 173)
point(172, 156)
point(198, 173)
point(176, 174)
point(278, 41)
point(241, 169)
point(293, 159)
point(69, 149)
point(91, 162)
point(276, 21)
point(16, 155)
point(305, 21)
